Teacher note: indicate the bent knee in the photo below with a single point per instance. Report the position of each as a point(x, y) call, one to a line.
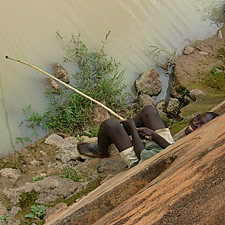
point(110, 124)
point(149, 110)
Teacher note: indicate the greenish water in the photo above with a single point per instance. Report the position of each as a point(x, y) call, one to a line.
point(27, 33)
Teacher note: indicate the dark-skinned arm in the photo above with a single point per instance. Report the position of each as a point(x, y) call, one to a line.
point(136, 140)
point(149, 134)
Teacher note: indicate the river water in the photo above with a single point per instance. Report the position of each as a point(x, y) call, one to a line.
point(28, 33)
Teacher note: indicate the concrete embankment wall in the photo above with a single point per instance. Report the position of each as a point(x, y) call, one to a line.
point(185, 182)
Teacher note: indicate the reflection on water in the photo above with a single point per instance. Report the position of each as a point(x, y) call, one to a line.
point(211, 10)
point(12, 146)
point(27, 33)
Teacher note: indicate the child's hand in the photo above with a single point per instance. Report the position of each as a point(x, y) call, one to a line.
point(145, 133)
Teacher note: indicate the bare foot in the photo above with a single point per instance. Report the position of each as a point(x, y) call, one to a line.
point(89, 149)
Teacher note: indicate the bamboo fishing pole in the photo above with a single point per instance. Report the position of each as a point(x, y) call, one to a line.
point(68, 86)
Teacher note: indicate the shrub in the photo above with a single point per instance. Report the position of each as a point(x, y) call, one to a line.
point(96, 75)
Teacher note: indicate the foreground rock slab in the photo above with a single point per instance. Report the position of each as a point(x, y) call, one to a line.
point(191, 191)
point(184, 184)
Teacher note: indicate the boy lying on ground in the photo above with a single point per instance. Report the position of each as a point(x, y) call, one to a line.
point(149, 136)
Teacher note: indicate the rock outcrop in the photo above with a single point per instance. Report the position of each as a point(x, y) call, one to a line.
point(99, 115)
point(201, 67)
point(61, 73)
point(149, 83)
point(145, 100)
point(197, 94)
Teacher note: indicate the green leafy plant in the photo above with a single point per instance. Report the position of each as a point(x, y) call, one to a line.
point(197, 43)
point(79, 138)
point(36, 210)
point(14, 163)
point(37, 178)
point(93, 132)
point(69, 174)
point(3, 218)
point(222, 57)
point(217, 69)
point(22, 140)
point(97, 75)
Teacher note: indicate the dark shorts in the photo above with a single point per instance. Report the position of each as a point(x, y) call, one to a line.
point(148, 152)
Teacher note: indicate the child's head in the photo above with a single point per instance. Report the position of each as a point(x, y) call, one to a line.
point(199, 120)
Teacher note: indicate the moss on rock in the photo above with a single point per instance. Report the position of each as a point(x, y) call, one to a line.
point(178, 126)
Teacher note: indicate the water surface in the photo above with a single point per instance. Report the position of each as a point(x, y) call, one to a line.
point(28, 28)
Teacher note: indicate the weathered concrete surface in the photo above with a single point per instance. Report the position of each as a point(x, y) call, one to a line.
point(184, 184)
point(190, 191)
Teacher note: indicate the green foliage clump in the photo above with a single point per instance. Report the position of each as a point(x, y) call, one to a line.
point(3, 218)
point(36, 210)
point(30, 212)
point(27, 199)
point(96, 76)
point(9, 162)
point(216, 82)
point(69, 174)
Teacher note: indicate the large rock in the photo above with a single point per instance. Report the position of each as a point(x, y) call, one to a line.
point(197, 94)
point(161, 106)
point(54, 86)
point(50, 189)
point(55, 140)
point(99, 115)
point(61, 73)
point(145, 100)
point(173, 106)
point(188, 50)
point(10, 173)
point(149, 83)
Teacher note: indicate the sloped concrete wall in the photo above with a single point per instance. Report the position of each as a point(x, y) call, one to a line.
point(185, 182)
point(191, 191)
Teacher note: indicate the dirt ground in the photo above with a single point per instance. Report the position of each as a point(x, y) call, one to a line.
point(202, 67)
point(51, 176)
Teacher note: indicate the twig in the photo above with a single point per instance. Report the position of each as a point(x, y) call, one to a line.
point(70, 87)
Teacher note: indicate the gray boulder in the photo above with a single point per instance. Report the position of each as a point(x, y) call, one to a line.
point(55, 140)
point(144, 100)
point(61, 73)
point(10, 173)
point(149, 83)
point(161, 106)
point(188, 50)
point(99, 115)
point(197, 94)
point(173, 106)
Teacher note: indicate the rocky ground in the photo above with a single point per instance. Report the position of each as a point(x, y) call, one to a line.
point(49, 175)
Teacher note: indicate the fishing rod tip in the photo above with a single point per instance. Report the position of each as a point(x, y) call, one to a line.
point(6, 57)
